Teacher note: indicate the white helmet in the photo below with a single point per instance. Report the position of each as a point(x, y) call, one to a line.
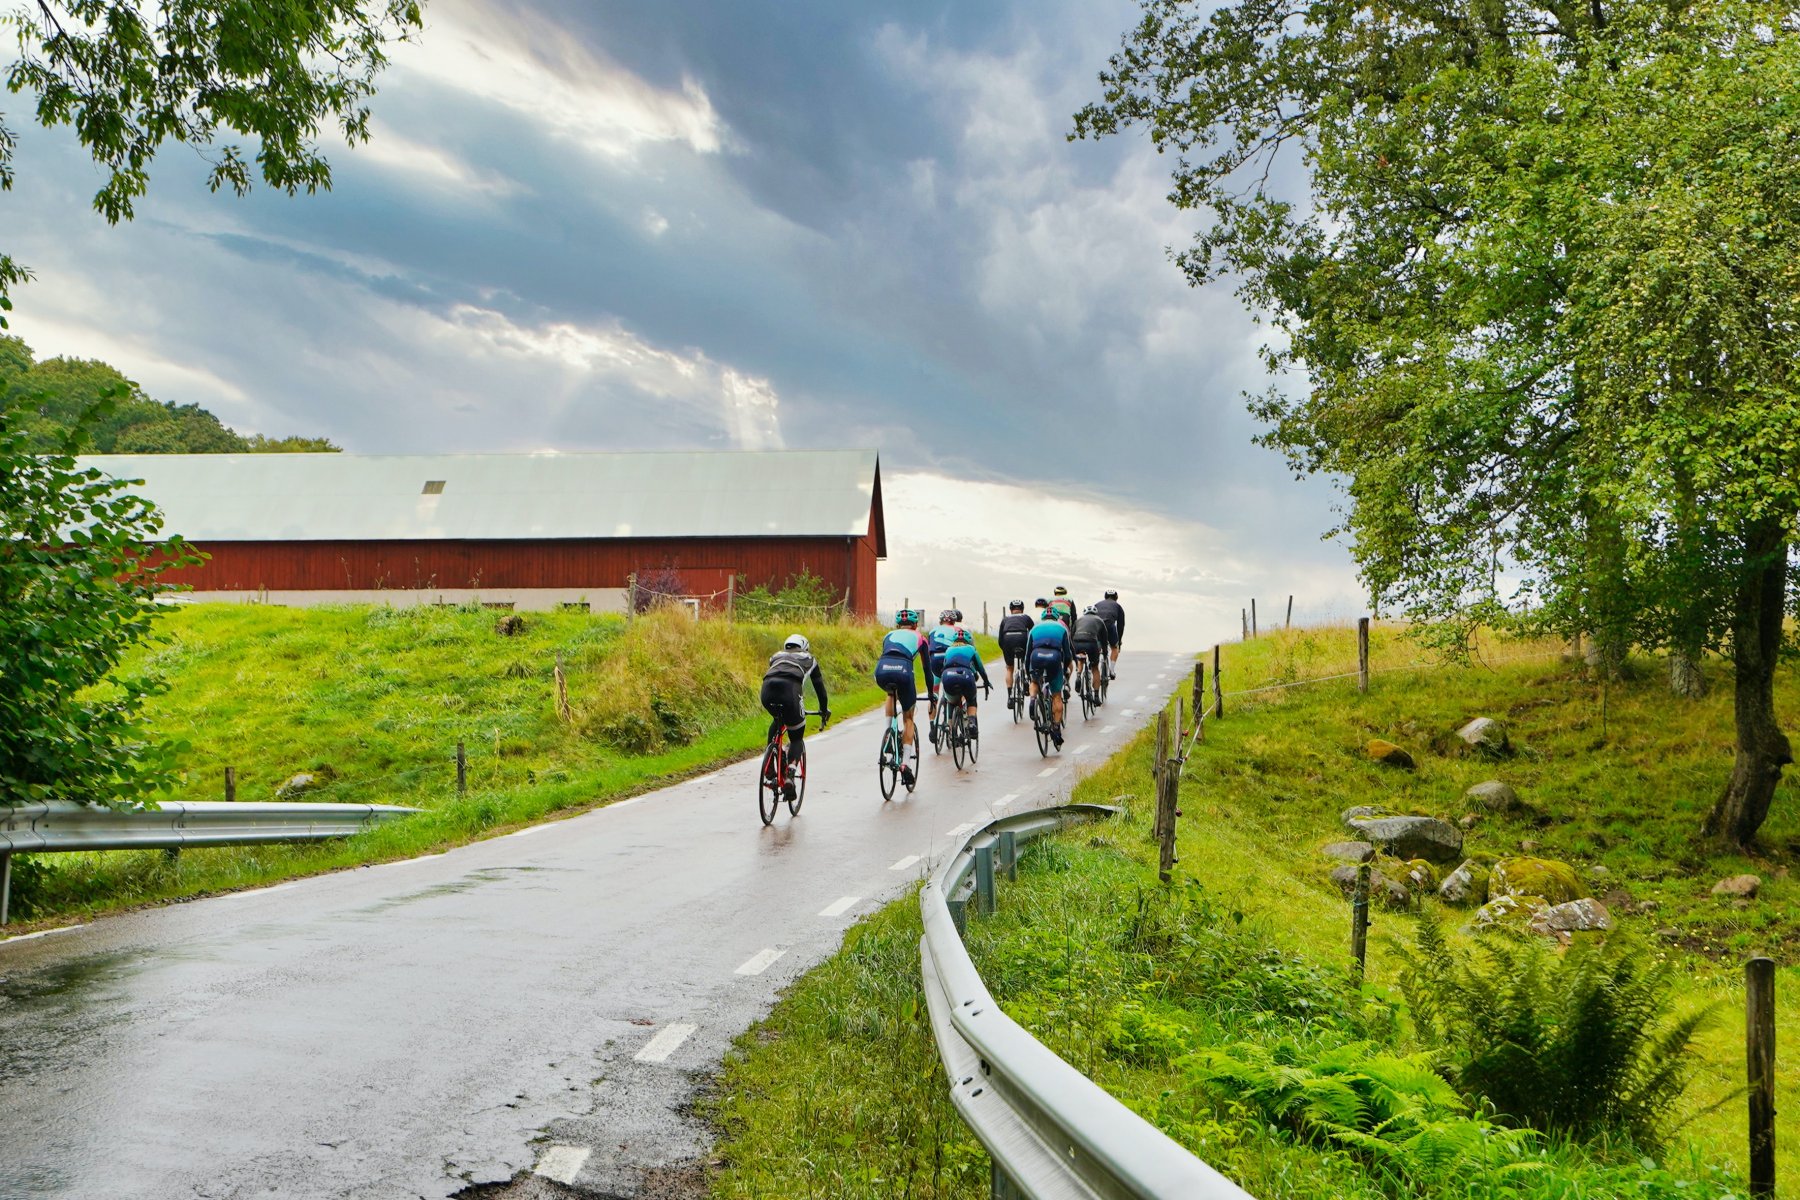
point(797, 642)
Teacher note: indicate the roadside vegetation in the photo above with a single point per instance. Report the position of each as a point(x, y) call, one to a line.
point(1223, 1009)
point(369, 703)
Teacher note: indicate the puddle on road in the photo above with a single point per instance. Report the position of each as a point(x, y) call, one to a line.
point(468, 883)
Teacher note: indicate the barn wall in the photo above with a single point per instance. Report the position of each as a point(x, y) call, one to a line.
point(700, 565)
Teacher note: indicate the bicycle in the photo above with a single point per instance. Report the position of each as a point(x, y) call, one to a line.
point(937, 718)
point(1043, 711)
point(964, 742)
point(1084, 687)
point(1020, 691)
point(778, 774)
point(892, 762)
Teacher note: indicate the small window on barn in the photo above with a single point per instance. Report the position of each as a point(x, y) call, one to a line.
point(433, 487)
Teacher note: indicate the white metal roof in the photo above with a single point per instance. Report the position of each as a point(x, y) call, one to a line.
point(379, 497)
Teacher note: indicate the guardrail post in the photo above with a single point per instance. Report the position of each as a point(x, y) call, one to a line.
point(230, 785)
point(1009, 853)
point(462, 769)
point(1000, 1186)
point(1759, 1052)
point(984, 879)
point(5, 885)
point(958, 915)
point(1359, 920)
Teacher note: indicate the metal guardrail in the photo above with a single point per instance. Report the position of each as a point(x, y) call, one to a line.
point(1050, 1131)
point(56, 826)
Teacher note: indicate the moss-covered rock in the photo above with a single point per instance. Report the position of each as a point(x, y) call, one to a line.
point(1468, 884)
point(1555, 881)
point(1509, 912)
point(1388, 754)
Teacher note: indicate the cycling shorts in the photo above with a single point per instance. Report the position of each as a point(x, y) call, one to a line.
point(960, 681)
point(782, 699)
point(937, 664)
point(1047, 664)
point(1091, 649)
point(1014, 648)
point(894, 674)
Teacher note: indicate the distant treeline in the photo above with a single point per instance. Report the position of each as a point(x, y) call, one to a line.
point(47, 399)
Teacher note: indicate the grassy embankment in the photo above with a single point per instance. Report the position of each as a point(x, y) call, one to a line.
point(839, 1093)
point(372, 701)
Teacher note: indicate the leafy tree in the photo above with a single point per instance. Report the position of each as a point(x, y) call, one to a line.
point(1537, 265)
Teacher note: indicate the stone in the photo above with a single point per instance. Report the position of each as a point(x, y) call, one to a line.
point(1742, 886)
point(1486, 736)
point(1382, 890)
point(1420, 875)
point(1390, 755)
point(1555, 881)
point(1353, 852)
point(1469, 820)
point(1597, 872)
point(1406, 837)
point(1509, 912)
point(1493, 796)
point(297, 785)
point(1528, 845)
point(1468, 884)
point(1577, 916)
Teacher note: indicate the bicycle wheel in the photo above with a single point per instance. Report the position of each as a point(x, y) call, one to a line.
point(1040, 721)
point(1087, 700)
point(937, 728)
point(768, 783)
point(797, 776)
point(889, 763)
point(974, 743)
point(915, 763)
point(1020, 695)
point(958, 736)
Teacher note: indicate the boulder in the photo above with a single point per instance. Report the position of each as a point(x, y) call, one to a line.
point(1556, 882)
point(1406, 837)
point(1468, 884)
point(1597, 872)
point(1420, 876)
point(1389, 754)
point(1486, 736)
point(1741, 886)
point(1493, 796)
point(1509, 912)
point(1352, 852)
point(1577, 916)
point(1383, 890)
point(296, 786)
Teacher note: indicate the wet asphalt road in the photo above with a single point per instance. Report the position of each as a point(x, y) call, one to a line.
point(541, 1005)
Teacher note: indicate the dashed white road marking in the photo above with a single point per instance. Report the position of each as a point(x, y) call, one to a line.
point(1005, 800)
point(1047, 772)
point(1140, 699)
point(561, 1163)
point(1128, 712)
point(904, 863)
point(960, 830)
point(1083, 749)
point(668, 1039)
point(26, 937)
point(759, 962)
point(839, 907)
point(1108, 728)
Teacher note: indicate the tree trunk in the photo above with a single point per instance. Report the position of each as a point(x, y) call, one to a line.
point(1685, 679)
point(1762, 749)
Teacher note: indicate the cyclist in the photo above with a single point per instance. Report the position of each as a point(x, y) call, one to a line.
point(939, 639)
point(1051, 658)
point(1092, 637)
point(1064, 608)
point(1114, 612)
point(1015, 635)
point(962, 665)
point(894, 672)
point(783, 695)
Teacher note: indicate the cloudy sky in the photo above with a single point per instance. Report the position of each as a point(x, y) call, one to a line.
point(744, 223)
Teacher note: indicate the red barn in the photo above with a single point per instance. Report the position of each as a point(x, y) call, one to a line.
point(530, 530)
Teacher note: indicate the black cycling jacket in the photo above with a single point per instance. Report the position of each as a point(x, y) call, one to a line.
point(1014, 627)
point(1092, 627)
point(798, 664)
point(1114, 612)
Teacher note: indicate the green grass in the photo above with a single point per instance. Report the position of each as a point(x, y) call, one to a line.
point(372, 700)
point(1254, 937)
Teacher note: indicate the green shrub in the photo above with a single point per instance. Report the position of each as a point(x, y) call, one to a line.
point(1585, 1043)
point(803, 598)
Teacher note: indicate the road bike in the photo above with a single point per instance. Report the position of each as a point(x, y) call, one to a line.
point(936, 709)
point(964, 739)
point(1084, 687)
point(1020, 692)
point(781, 779)
point(892, 762)
point(1043, 712)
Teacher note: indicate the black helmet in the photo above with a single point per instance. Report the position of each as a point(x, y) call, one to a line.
point(1015, 606)
point(1040, 602)
point(1111, 594)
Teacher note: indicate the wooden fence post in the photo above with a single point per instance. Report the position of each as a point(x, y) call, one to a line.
point(730, 599)
point(1253, 616)
point(631, 596)
point(984, 624)
point(1218, 688)
point(5, 885)
point(1158, 767)
point(1359, 920)
point(1244, 624)
point(1289, 623)
point(1199, 701)
point(1759, 1051)
point(462, 769)
point(1169, 794)
point(230, 785)
point(1362, 654)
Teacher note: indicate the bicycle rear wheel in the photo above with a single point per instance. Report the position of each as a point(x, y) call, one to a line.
point(1087, 700)
point(1040, 721)
point(1020, 696)
point(915, 763)
point(889, 763)
point(797, 777)
point(958, 734)
point(768, 783)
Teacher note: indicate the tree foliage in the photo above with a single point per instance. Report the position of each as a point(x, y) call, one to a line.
point(1537, 265)
point(47, 401)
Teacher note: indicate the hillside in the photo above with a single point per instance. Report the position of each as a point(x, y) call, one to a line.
point(1145, 987)
point(370, 703)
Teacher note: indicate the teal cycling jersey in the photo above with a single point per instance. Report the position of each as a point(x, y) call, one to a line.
point(962, 656)
point(1050, 633)
point(903, 641)
point(942, 637)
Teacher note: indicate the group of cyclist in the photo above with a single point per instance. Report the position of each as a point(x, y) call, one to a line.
point(1049, 646)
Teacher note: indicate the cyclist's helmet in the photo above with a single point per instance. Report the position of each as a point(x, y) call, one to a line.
point(906, 616)
point(947, 617)
point(965, 638)
point(797, 642)
point(1061, 591)
point(1040, 602)
point(1111, 594)
point(956, 616)
point(1016, 606)
point(1088, 611)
